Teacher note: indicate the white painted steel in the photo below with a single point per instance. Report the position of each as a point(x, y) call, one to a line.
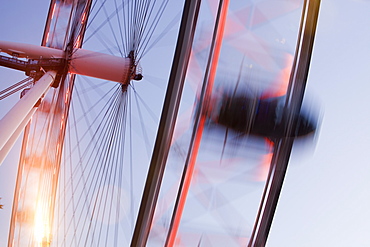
point(10, 143)
point(100, 65)
point(83, 62)
point(13, 119)
point(29, 51)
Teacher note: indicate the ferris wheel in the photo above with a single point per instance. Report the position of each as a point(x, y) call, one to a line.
point(110, 84)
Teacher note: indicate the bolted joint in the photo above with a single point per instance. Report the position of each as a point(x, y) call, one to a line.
point(134, 75)
point(138, 77)
point(37, 67)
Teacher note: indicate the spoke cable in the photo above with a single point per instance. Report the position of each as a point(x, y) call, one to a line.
point(16, 87)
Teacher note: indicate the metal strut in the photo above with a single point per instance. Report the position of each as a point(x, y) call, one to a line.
point(167, 123)
point(133, 72)
point(283, 147)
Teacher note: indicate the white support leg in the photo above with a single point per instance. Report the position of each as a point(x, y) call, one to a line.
point(14, 118)
point(10, 143)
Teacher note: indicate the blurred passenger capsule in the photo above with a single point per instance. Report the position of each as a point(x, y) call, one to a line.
point(249, 114)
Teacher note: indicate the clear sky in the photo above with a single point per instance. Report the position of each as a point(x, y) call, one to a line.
point(325, 200)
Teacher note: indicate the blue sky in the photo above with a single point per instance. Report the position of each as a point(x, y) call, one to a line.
point(325, 197)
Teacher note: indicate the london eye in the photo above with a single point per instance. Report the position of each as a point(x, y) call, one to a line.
point(118, 147)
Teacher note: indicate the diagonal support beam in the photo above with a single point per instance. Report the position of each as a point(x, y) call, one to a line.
point(14, 118)
point(10, 143)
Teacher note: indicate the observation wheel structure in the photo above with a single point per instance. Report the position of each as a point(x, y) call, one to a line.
point(118, 151)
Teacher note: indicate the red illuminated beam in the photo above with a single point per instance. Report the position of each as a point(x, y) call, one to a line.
point(199, 123)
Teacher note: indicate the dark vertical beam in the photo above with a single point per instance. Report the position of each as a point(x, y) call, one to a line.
point(293, 105)
point(167, 123)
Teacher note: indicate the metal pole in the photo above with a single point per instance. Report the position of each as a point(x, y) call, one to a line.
point(293, 105)
point(167, 123)
point(208, 82)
